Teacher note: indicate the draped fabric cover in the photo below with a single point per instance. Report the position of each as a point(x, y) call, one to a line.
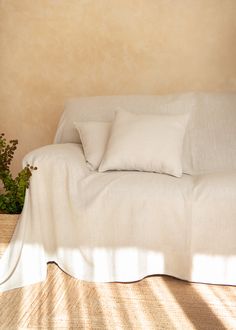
point(125, 225)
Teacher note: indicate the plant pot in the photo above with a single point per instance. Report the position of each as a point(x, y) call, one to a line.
point(7, 226)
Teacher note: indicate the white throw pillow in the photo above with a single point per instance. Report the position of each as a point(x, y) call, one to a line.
point(94, 136)
point(150, 143)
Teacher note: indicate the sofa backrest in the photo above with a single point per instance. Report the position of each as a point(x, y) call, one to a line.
point(210, 140)
point(212, 133)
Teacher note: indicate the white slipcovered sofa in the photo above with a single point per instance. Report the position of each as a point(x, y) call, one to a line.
point(125, 225)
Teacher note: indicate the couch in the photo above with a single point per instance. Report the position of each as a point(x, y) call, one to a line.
point(125, 225)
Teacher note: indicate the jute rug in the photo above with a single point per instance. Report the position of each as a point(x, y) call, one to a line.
point(156, 302)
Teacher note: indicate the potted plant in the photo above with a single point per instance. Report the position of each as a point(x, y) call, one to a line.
point(12, 190)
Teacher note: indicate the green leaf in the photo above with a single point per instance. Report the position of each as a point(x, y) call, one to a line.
point(13, 196)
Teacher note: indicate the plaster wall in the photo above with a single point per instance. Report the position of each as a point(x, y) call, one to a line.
point(51, 50)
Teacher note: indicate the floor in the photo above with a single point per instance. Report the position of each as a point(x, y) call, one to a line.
point(156, 302)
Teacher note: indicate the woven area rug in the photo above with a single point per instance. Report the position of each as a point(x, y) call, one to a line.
point(156, 302)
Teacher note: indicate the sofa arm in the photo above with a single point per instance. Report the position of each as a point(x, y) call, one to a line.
point(60, 170)
point(50, 202)
point(57, 156)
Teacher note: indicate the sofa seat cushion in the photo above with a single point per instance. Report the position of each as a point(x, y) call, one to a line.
point(214, 211)
point(213, 227)
point(140, 208)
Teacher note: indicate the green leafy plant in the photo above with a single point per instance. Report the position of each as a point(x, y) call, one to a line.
point(13, 195)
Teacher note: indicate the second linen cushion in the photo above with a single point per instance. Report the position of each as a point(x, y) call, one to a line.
point(94, 136)
point(150, 143)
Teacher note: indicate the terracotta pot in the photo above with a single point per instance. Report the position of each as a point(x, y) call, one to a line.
point(7, 226)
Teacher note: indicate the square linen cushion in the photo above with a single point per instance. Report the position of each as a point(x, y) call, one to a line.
point(151, 143)
point(94, 136)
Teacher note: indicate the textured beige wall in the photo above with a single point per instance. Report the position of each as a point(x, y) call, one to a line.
point(54, 49)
